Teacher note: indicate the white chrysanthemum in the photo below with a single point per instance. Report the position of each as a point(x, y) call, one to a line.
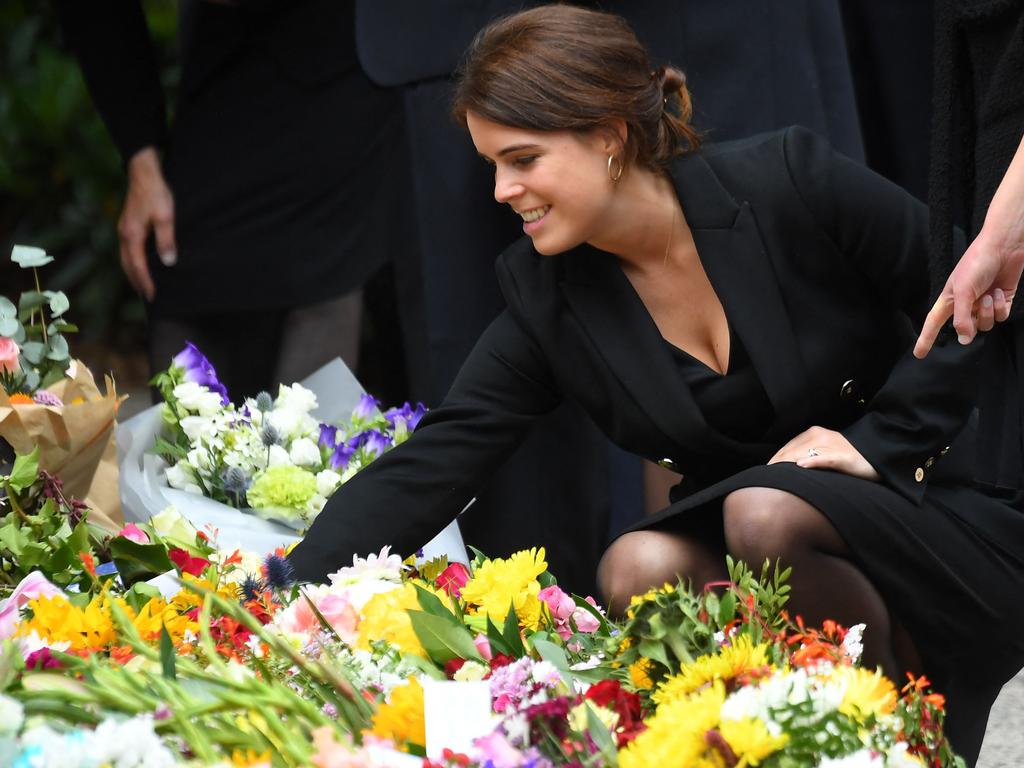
point(296, 397)
point(327, 482)
point(305, 453)
point(198, 399)
point(12, 716)
point(382, 566)
point(130, 744)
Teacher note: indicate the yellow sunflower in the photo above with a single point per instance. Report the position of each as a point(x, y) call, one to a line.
point(729, 662)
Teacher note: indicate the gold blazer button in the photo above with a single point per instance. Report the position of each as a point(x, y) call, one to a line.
point(667, 464)
point(919, 474)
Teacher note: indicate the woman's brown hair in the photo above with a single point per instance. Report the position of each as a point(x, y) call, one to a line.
point(558, 67)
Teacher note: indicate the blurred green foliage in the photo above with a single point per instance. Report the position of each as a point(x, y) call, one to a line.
point(61, 180)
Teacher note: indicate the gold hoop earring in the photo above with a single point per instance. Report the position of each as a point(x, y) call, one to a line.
point(618, 174)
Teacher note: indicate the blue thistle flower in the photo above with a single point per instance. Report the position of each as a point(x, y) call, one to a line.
point(269, 435)
point(278, 571)
point(252, 587)
point(235, 483)
point(265, 401)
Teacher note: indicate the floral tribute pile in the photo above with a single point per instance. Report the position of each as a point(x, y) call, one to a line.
point(242, 667)
point(269, 455)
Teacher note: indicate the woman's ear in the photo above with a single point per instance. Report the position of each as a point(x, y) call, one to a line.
point(614, 134)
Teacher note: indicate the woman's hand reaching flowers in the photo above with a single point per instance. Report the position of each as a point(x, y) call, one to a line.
point(820, 448)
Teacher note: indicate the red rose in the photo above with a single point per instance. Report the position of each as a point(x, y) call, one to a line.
point(453, 578)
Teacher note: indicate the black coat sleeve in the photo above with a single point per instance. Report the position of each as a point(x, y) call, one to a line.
point(883, 232)
point(111, 42)
point(409, 494)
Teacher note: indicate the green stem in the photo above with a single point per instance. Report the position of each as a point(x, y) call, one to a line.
point(42, 314)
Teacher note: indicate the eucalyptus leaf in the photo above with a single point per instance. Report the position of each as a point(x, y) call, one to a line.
point(19, 335)
point(29, 301)
point(55, 374)
point(57, 348)
point(28, 256)
point(7, 308)
point(9, 326)
point(61, 326)
point(33, 351)
point(59, 303)
point(32, 380)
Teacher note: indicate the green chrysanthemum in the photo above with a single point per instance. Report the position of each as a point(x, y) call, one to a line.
point(283, 486)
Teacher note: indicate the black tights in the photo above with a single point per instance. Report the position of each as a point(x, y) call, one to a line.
point(759, 524)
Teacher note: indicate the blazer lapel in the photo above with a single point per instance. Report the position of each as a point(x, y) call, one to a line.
point(605, 303)
point(734, 257)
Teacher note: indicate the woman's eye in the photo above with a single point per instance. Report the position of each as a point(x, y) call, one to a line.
point(525, 160)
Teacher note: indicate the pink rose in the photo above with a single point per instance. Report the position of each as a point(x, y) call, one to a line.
point(453, 578)
point(484, 646)
point(9, 355)
point(559, 603)
point(585, 620)
point(563, 608)
point(132, 532)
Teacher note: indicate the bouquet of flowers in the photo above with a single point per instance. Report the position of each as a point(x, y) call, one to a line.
point(51, 402)
point(270, 455)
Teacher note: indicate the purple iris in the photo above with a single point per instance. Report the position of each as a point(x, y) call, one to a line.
point(199, 370)
point(366, 407)
point(411, 416)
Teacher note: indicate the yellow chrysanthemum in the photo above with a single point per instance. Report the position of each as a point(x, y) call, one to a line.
point(729, 662)
point(867, 693)
point(750, 740)
point(675, 734)
point(250, 758)
point(498, 583)
point(385, 617)
point(401, 717)
point(639, 673)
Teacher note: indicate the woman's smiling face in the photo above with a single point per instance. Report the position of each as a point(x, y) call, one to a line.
point(557, 181)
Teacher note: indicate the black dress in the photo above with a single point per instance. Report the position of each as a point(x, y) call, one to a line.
point(889, 538)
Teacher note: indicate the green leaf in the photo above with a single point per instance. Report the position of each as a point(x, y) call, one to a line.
point(57, 349)
point(7, 308)
point(33, 351)
point(510, 632)
point(139, 594)
point(28, 256)
point(726, 608)
point(498, 644)
point(546, 580)
point(136, 562)
point(32, 380)
point(167, 655)
point(655, 651)
point(29, 301)
point(11, 663)
point(59, 326)
point(430, 603)
point(59, 303)
point(554, 655)
point(25, 471)
point(600, 734)
point(9, 326)
point(442, 640)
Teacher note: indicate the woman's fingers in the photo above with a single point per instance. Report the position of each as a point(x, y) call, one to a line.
point(986, 313)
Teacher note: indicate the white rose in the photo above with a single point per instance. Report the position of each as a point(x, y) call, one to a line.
point(327, 482)
point(180, 475)
point(278, 456)
point(295, 397)
point(198, 427)
point(286, 421)
point(305, 453)
point(170, 524)
point(197, 398)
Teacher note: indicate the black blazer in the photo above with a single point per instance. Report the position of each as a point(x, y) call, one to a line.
point(816, 261)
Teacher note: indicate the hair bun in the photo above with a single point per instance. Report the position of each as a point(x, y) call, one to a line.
point(671, 79)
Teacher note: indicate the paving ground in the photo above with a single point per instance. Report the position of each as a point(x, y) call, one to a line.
point(1004, 739)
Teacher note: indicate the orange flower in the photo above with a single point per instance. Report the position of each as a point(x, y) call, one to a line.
point(20, 398)
point(88, 562)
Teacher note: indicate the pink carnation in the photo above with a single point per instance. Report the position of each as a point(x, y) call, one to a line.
point(9, 355)
point(31, 587)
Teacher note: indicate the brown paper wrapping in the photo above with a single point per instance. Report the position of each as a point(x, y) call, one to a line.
point(76, 440)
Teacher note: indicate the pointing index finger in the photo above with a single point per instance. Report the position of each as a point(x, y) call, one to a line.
point(937, 317)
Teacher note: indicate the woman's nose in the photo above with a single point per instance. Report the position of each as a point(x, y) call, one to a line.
point(506, 188)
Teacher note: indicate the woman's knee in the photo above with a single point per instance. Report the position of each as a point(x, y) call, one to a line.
point(768, 523)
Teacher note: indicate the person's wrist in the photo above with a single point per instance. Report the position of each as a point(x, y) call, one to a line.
point(144, 165)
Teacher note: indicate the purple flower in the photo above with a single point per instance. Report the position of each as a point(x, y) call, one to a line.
point(278, 572)
point(42, 659)
point(328, 436)
point(46, 398)
point(367, 405)
point(376, 442)
point(199, 370)
point(411, 416)
point(341, 456)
